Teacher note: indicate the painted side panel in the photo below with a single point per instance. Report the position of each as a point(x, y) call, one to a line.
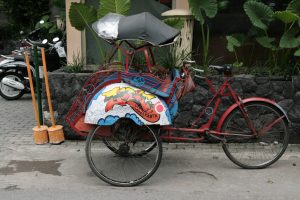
point(123, 100)
point(252, 99)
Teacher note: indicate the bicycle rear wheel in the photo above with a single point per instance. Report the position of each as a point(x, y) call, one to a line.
point(251, 151)
point(117, 158)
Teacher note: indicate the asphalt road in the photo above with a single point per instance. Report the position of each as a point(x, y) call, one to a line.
point(61, 172)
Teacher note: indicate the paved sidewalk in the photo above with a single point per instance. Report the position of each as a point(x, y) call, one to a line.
point(16, 120)
point(187, 171)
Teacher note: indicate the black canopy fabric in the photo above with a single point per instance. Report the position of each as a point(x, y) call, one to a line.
point(143, 26)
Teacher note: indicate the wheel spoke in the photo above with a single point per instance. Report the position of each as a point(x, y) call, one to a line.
point(261, 150)
point(135, 152)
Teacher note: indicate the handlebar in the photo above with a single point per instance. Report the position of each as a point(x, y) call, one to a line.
point(34, 38)
point(34, 42)
point(191, 62)
point(198, 70)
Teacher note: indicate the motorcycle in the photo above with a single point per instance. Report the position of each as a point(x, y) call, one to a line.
point(13, 72)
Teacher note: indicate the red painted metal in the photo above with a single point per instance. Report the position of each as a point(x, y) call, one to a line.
point(239, 103)
point(217, 98)
point(211, 87)
point(177, 89)
point(173, 90)
point(170, 128)
point(182, 138)
point(148, 60)
point(152, 56)
point(268, 127)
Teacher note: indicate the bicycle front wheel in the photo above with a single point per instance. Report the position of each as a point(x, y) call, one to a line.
point(117, 158)
point(255, 151)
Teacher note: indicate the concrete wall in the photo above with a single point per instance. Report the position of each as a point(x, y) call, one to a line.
point(75, 41)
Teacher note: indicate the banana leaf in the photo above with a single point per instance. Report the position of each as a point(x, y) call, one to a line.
point(266, 42)
point(198, 8)
point(286, 16)
point(81, 15)
point(289, 39)
point(113, 6)
point(259, 14)
point(294, 6)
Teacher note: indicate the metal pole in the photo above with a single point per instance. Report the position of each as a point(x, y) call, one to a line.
point(37, 81)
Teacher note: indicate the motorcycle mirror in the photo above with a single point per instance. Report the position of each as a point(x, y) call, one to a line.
point(44, 41)
point(56, 39)
point(42, 22)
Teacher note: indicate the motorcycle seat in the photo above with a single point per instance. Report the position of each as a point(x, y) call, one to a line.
point(15, 57)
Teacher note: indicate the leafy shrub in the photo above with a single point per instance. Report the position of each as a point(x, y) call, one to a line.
point(25, 13)
point(283, 49)
point(76, 66)
point(9, 31)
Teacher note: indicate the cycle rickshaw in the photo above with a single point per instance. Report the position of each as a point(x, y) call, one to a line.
point(129, 111)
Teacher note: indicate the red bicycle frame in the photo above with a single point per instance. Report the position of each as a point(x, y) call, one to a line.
point(225, 90)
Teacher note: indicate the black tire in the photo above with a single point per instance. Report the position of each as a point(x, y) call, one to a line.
point(255, 152)
point(111, 163)
point(19, 93)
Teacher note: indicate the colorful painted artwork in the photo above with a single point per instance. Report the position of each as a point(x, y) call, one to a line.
point(123, 100)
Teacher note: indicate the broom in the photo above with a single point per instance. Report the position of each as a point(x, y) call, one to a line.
point(40, 134)
point(56, 134)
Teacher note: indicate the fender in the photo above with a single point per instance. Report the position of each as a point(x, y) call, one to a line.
point(121, 100)
point(16, 65)
point(252, 99)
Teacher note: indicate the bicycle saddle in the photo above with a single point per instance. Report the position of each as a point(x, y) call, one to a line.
point(221, 69)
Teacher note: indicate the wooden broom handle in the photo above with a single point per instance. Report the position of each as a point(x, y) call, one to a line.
point(47, 88)
point(32, 90)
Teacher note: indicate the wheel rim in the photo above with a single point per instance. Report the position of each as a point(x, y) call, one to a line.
point(10, 91)
point(124, 165)
point(255, 151)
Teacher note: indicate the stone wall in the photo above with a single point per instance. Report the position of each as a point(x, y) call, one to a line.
point(64, 87)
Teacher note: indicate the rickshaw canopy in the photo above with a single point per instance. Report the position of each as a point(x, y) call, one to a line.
point(143, 26)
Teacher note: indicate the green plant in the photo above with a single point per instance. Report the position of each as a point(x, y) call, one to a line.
point(77, 64)
point(281, 49)
point(169, 58)
point(233, 42)
point(175, 22)
point(113, 6)
point(82, 15)
point(201, 10)
point(61, 6)
point(24, 14)
point(9, 31)
point(49, 28)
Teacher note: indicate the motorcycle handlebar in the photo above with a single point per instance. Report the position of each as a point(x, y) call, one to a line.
point(34, 42)
point(188, 64)
point(197, 70)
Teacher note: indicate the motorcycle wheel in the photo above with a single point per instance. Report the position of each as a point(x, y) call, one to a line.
point(10, 93)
